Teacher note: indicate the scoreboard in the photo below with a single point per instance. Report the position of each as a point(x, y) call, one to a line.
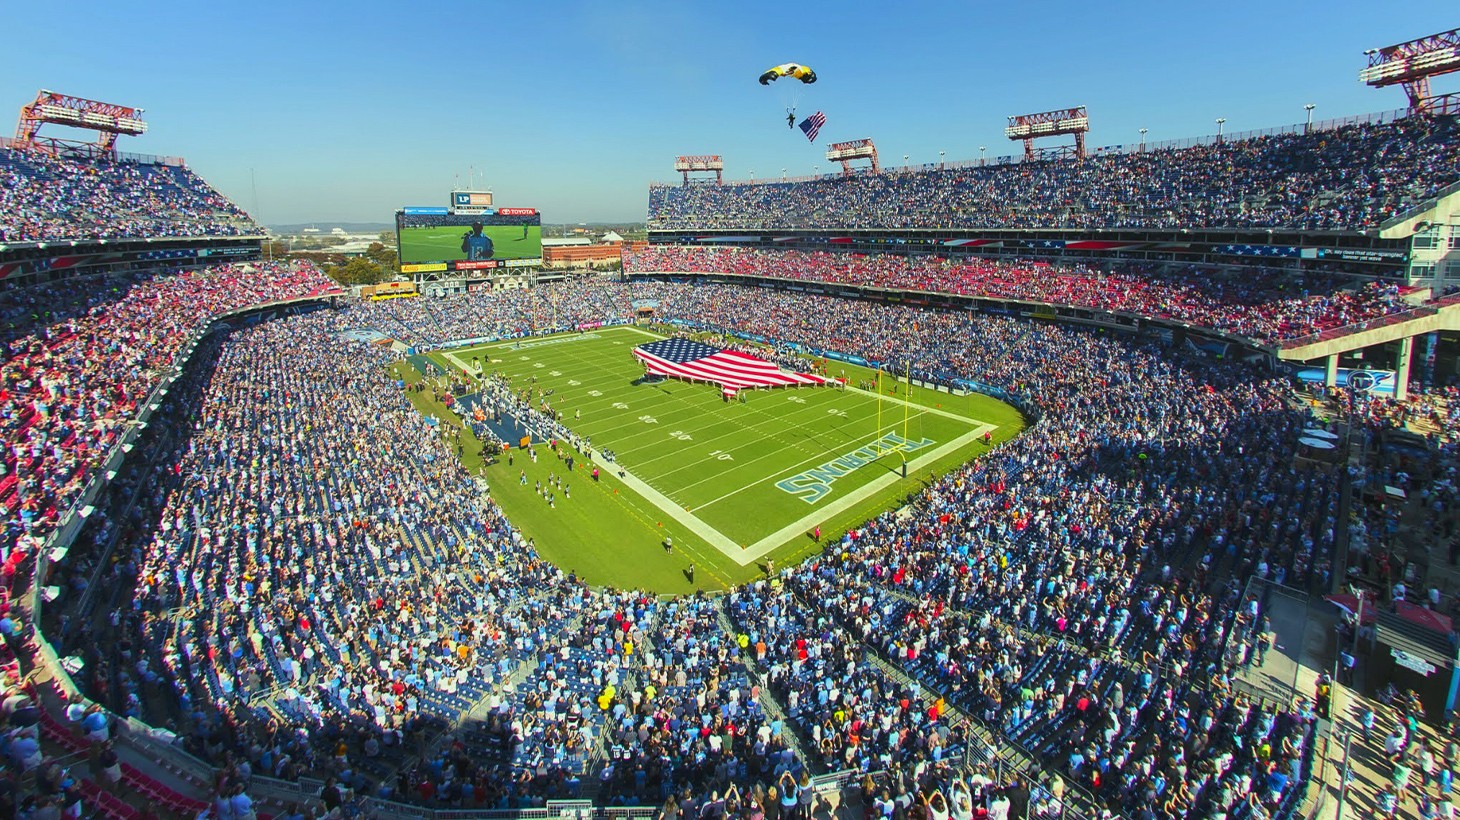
point(470, 202)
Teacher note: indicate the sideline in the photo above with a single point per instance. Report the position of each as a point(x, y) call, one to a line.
point(743, 556)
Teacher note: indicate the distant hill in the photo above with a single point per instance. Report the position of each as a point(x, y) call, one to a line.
point(325, 226)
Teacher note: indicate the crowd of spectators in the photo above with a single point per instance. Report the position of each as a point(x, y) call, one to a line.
point(1266, 306)
point(44, 198)
point(463, 221)
point(318, 582)
point(506, 315)
point(76, 358)
point(1345, 179)
point(310, 582)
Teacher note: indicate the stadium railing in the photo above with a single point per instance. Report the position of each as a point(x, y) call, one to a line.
point(144, 738)
point(123, 156)
point(1374, 118)
point(1428, 204)
point(71, 521)
point(1359, 327)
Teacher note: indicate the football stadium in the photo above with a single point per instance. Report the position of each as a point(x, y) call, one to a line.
point(1091, 481)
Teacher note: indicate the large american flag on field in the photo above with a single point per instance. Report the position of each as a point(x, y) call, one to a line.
point(811, 126)
point(684, 359)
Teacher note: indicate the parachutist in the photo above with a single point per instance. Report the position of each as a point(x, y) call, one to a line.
point(790, 119)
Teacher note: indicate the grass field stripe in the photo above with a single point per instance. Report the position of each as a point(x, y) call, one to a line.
point(793, 469)
point(684, 470)
point(711, 536)
point(907, 402)
point(696, 408)
point(686, 545)
point(744, 428)
point(850, 438)
point(851, 499)
point(815, 454)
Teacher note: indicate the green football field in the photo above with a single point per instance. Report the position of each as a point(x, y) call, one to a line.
point(732, 484)
point(443, 244)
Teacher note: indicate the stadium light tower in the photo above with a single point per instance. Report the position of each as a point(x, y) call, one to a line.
point(1412, 64)
point(981, 149)
point(1220, 122)
point(1030, 127)
point(940, 158)
point(704, 164)
point(109, 120)
point(852, 150)
point(1309, 125)
point(1143, 140)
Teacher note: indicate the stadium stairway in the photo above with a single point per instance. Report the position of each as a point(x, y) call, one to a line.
point(479, 708)
point(768, 701)
point(991, 738)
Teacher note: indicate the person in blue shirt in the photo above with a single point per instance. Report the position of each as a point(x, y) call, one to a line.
point(95, 724)
point(476, 245)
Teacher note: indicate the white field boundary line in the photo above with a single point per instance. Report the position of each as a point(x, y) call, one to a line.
point(769, 543)
point(603, 331)
point(806, 522)
point(684, 518)
point(792, 469)
point(746, 429)
point(921, 410)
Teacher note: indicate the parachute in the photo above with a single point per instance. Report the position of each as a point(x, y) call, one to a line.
point(791, 91)
point(800, 72)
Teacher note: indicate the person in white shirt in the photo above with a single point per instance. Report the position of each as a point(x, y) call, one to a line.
point(999, 807)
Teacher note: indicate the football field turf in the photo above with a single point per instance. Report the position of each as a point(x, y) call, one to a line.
point(444, 243)
point(731, 482)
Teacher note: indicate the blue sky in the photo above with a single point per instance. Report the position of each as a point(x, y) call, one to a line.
point(344, 111)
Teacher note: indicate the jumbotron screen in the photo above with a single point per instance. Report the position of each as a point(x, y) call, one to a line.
point(503, 236)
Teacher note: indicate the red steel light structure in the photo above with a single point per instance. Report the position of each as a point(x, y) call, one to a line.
point(109, 120)
point(701, 164)
point(851, 151)
point(1030, 127)
point(1412, 64)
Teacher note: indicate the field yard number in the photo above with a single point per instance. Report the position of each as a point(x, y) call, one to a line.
point(796, 399)
point(722, 455)
point(573, 382)
point(835, 412)
point(681, 435)
point(618, 405)
point(595, 393)
point(524, 358)
point(648, 419)
point(554, 373)
point(538, 364)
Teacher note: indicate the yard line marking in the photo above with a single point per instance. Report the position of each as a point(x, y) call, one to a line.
point(728, 547)
point(794, 468)
point(876, 485)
